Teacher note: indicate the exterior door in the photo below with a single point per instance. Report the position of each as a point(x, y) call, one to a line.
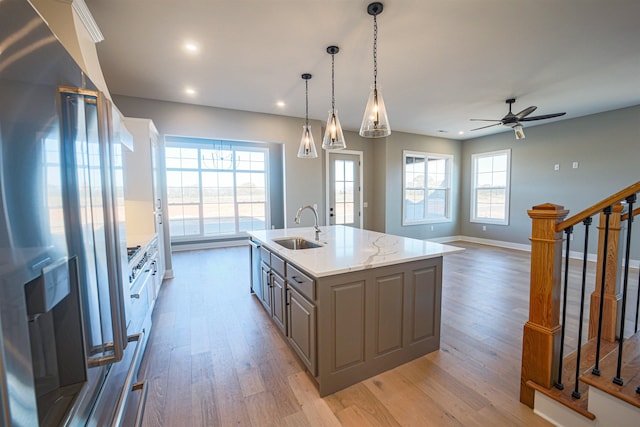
point(344, 189)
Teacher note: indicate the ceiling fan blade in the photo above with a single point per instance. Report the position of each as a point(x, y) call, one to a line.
point(485, 120)
point(526, 111)
point(545, 116)
point(484, 127)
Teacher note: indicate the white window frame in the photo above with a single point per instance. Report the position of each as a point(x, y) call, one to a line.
point(449, 167)
point(474, 187)
point(234, 147)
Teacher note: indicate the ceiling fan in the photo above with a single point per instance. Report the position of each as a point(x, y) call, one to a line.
point(513, 120)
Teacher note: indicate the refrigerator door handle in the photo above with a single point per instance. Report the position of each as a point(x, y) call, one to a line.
point(113, 258)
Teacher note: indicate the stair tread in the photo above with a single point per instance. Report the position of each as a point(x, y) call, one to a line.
point(630, 373)
point(564, 397)
point(587, 361)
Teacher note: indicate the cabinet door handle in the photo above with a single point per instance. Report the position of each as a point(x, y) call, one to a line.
point(287, 297)
point(295, 279)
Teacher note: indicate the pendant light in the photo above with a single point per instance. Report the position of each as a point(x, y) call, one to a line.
point(307, 148)
point(375, 123)
point(333, 136)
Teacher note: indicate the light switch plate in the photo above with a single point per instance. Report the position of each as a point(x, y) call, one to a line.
point(556, 167)
point(575, 165)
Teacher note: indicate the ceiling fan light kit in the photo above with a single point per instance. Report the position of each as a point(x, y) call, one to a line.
point(513, 120)
point(519, 131)
point(375, 123)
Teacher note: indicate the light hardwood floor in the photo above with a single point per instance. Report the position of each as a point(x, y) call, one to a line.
point(215, 359)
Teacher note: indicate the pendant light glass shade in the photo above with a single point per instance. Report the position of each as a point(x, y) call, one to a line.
point(375, 123)
point(307, 148)
point(333, 136)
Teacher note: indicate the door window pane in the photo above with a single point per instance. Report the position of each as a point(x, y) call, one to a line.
point(344, 191)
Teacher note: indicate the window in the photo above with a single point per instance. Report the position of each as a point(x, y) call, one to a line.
point(490, 187)
point(426, 188)
point(216, 188)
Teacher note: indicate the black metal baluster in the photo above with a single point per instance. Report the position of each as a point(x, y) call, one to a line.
point(567, 233)
point(637, 304)
point(587, 222)
point(607, 214)
point(618, 379)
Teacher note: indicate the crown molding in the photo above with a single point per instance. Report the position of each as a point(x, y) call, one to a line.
point(81, 9)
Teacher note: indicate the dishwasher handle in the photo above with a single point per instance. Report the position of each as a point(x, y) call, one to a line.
point(128, 382)
point(143, 387)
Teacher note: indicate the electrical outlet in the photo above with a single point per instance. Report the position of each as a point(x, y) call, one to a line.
point(432, 228)
point(484, 228)
point(315, 206)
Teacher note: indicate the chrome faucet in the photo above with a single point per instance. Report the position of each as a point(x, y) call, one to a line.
point(315, 214)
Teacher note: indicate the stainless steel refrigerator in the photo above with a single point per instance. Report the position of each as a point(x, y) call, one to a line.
point(65, 357)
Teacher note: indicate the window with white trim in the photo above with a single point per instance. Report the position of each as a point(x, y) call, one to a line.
point(216, 188)
point(491, 175)
point(426, 188)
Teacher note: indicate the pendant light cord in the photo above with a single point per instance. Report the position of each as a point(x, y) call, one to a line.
point(306, 97)
point(333, 96)
point(375, 52)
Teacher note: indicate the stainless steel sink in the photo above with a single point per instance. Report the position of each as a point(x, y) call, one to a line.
point(296, 243)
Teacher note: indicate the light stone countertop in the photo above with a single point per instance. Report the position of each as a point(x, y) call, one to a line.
point(346, 249)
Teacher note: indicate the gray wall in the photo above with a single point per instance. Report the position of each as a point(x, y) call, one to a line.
point(302, 176)
point(606, 146)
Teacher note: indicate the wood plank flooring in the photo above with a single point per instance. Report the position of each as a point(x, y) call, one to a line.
point(215, 358)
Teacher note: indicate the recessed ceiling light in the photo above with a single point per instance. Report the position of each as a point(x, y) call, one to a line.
point(280, 104)
point(191, 47)
point(461, 132)
point(190, 91)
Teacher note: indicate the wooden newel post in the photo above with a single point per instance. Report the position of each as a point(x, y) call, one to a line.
point(612, 299)
point(541, 336)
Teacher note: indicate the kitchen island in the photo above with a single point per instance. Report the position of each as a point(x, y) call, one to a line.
point(357, 305)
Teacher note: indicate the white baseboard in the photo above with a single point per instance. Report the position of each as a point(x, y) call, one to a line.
point(489, 242)
point(209, 245)
point(518, 246)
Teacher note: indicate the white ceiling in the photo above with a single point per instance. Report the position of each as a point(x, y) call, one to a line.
point(440, 62)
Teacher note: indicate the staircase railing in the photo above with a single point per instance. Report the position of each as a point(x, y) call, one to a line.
point(545, 331)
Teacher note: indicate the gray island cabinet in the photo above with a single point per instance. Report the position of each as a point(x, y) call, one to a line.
point(360, 304)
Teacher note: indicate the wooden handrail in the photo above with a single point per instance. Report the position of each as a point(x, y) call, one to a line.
point(636, 211)
point(609, 201)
